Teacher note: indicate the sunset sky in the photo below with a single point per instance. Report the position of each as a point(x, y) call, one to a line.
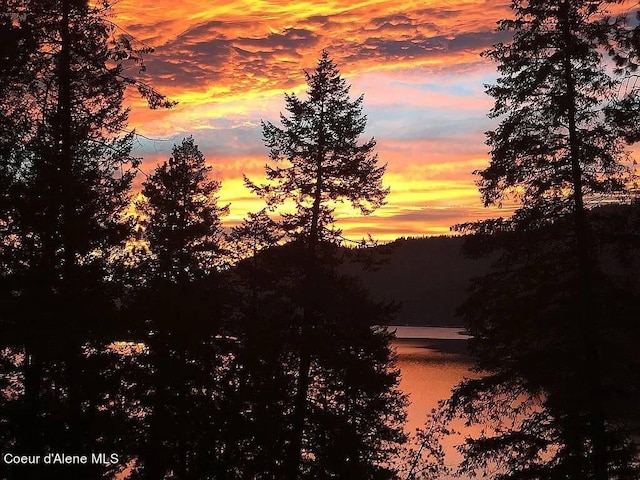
point(228, 64)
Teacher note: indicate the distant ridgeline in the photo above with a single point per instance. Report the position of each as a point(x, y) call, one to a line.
point(428, 277)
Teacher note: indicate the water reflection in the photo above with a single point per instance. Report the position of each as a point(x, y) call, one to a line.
point(432, 361)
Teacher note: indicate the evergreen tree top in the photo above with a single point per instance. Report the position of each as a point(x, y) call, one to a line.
point(317, 157)
point(558, 106)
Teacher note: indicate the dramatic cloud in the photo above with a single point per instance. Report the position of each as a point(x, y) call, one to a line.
point(228, 64)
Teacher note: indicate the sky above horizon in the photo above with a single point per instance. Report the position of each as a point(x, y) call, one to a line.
point(418, 65)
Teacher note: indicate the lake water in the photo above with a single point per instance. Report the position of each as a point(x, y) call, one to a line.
point(432, 360)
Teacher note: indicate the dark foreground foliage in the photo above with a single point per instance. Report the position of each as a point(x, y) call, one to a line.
point(145, 340)
point(555, 323)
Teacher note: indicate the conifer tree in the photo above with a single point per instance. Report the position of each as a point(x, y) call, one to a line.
point(181, 220)
point(547, 322)
point(70, 170)
point(181, 216)
point(318, 161)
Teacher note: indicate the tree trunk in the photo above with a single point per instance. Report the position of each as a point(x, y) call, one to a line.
point(300, 404)
point(68, 232)
point(589, 308)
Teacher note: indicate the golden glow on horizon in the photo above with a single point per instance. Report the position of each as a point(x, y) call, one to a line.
point(228, 65)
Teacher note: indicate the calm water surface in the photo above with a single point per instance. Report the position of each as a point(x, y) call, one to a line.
point(432, 360)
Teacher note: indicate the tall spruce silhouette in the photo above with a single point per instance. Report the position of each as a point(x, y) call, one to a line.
point(341, 363)
point(548, 323)
point(177, 314)
point(69, 169)
point(259, 316)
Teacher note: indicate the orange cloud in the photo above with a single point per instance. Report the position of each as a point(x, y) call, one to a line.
point(228, 64)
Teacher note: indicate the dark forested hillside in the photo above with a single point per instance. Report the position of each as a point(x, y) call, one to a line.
point(427, 276)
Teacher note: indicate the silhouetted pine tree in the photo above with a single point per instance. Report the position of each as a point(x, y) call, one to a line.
point(185, 379)
point(70, 170)
point(548, 323)
point(319, 162)
point(259, 317)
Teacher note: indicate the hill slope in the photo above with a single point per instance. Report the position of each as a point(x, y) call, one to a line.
point(427, 276)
